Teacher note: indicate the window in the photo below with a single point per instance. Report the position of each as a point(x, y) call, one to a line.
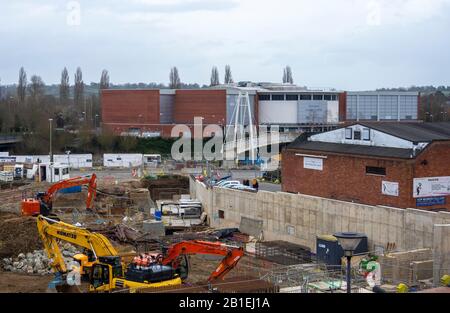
point(374, 170)
point(333, 97)
point(318, 97)
point(264, 97)
point(348, 133)
point(56, 171)
point(357, 135)
point(366, 134)
point(327, 97)
point(277, 97)
point(305, 97)
point(65, 171)
point(290, 230)
point(221, 214)
point(291, 97)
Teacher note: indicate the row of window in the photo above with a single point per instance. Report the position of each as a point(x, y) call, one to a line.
point(357, 134)
point(292, 97)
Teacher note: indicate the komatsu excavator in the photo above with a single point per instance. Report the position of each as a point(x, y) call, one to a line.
point(43, 201)
point(105, 270)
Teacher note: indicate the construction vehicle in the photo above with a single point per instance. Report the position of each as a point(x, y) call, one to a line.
point(105, 270)
point(102, 266)
point(43, 202)
point(176, 253)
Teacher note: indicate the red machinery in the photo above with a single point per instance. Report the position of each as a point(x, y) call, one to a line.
point(42, 203)
point(177, 251)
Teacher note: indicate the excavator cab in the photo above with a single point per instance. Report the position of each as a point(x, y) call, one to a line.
point(102, 273)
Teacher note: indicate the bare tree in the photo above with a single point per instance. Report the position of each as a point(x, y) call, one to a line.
point(215, 76)
point(22, 85)
point(174, 78)
point(79, 88)
point(36, 88)
point(228, 77)
point(104, 80)
point(287, 75)
point(64, 87)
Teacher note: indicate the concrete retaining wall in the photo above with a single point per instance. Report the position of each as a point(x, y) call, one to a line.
point(299, 218)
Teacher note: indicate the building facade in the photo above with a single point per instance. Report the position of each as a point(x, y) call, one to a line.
point(405, 165)
point(292, 108)
point(382, 106)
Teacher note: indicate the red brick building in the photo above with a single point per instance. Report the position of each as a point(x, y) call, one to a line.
point(209, 104)
point(405, 165)
point(156, 112)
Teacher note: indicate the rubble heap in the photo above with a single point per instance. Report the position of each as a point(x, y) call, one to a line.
point(36, 262)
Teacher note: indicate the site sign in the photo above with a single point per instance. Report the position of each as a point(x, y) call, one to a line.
point(389, 188)
point(430, 201)
point(431, 187)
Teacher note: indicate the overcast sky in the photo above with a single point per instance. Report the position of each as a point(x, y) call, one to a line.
point(345, 44)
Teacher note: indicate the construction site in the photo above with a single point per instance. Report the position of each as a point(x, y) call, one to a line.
point(111, 231)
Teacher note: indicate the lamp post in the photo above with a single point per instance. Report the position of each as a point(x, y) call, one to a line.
point(68, 158)
point(51, 153)
point(349, 241)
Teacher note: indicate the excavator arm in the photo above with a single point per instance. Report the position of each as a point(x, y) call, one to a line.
point(232, 255)
point(91, 181)
point(51, 230)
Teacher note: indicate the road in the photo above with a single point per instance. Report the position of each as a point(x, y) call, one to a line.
point(124, 174)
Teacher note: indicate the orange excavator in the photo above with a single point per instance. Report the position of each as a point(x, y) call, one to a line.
point(43, 202)
point(176, 256)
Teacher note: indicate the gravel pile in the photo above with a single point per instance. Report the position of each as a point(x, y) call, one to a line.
point(36, 262)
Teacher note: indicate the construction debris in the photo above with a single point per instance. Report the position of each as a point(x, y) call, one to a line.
point(36, 262)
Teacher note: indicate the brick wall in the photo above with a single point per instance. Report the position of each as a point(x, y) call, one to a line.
point(344, 177)
point(130, 106)
point(209, 104)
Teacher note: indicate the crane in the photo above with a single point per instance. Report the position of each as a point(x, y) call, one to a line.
point(103, 267)
point(43, 202)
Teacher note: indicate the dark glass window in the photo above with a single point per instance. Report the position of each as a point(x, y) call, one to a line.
point(291, 97)
point(264, 97)
point(357, 135)
point(277, 97)
point(318, 97)
point(327, 97)
point(374, 170)
point(333, 97)
point(305, 97)
point(221, 214)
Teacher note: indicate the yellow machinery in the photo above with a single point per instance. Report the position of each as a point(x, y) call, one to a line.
point(103, 266)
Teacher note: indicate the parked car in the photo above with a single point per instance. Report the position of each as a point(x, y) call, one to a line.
point(228, 183)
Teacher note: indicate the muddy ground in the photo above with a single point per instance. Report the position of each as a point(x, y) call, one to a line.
point(21, 283)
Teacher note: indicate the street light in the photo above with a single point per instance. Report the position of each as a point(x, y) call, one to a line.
point(68, 157)
point(51, 153)
point(349, 241)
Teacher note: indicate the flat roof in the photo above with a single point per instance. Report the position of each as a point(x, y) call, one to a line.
point(382, 93)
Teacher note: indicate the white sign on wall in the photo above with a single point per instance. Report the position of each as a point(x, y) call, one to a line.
point(389, 188)
point(313, 163)
point(431, 186)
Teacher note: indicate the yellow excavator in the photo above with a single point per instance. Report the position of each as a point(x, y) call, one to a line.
point(102, 266)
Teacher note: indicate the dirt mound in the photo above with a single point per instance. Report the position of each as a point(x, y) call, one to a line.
point(18, 235)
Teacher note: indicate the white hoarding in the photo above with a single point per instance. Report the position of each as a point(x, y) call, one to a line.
point(431, 186)
point(313, 163)
point(389, 188)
